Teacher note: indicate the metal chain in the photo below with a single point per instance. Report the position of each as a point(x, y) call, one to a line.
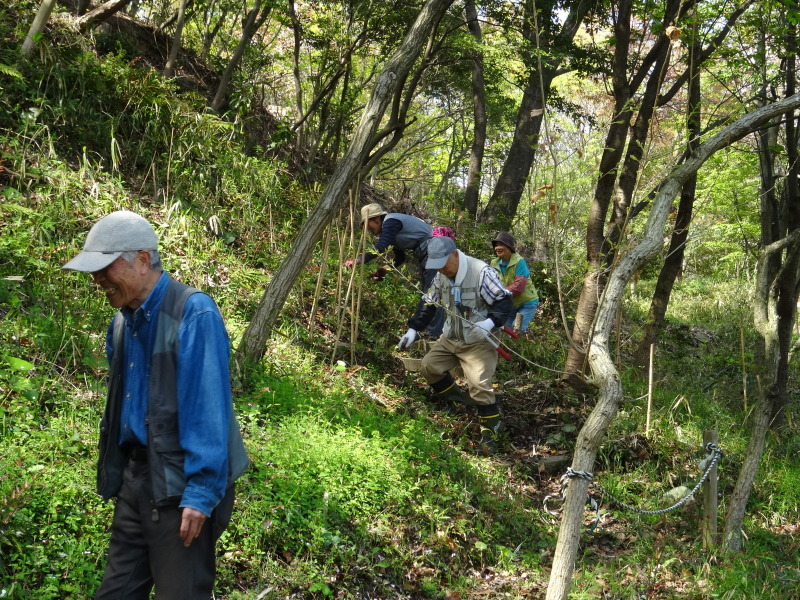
point(714, 455)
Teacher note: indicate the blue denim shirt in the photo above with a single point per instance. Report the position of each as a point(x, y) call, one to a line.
point(204, 391)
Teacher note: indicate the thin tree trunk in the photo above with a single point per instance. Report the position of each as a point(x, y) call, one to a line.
point(767, 317)
point(211, 32)
point(602, 365)
point(100, 14)
point(38, 25)
point(298, 82)
point(674, 260)
point(472, 191)
point(252, 24)
point(594, 282)
point(395, 71)
point(169, 67)
point(601, 245)
point(504, 201)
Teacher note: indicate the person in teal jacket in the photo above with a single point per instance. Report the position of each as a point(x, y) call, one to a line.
point(515, 275)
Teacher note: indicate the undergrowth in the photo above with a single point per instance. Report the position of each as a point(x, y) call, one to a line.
point(358, 487)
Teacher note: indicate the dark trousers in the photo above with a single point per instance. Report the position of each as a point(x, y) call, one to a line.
point(434, 328)
point(146, 549)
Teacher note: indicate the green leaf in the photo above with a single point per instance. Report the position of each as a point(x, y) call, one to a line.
point(18, 364)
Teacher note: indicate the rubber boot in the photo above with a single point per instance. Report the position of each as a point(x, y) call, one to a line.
point(451, 394)
point(491, 426)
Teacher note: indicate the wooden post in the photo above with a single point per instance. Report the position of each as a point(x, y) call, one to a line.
point(710, 497)
point(649, 392)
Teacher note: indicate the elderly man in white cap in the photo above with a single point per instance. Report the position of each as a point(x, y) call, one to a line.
point(477, 305)
point(170, 448)
point(401, 233)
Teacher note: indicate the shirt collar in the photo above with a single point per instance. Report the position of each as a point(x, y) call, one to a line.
point(462, 268)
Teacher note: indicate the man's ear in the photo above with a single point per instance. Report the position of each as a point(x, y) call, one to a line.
point(143, 260)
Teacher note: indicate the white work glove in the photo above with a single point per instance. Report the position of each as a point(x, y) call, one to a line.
point(484, 328)
point(409, 338)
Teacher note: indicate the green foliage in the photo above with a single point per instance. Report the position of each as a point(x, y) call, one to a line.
point(357, 488)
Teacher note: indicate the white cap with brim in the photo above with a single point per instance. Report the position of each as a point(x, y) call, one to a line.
point(372, 210)
point(439, 250)
point(118, 232)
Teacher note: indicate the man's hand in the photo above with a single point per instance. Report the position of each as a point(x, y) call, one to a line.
point(484, 328)
point(349, 263)
point(191, 524)
point(408, 339)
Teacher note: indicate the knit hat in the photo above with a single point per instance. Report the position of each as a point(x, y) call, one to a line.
point(118, 232)
point(439, 250)
point(506, 239)
point(372, 210)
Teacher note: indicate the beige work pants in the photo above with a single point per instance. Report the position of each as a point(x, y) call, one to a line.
point(478, 361)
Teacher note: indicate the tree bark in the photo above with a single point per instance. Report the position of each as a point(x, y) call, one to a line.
point(504, 201)
point(600, 360)
point(100, 14)
point(602, 244)
point(777, 288)
point(395, 70)
point(673, 262)
point(252, 24)
point(298, 83)
point(594, 282)
point(767, 322)
point(38, 25)
point(210, 33)
point(169, 67)
point(472, 191)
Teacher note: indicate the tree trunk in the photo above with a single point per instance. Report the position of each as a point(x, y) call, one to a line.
point(169, 67)
point(767, 321)
point(38, 25)
point(602, 365)
point(473, 189)
point(252, 24)
point(298, 83)
point(100, 14)
point(674, 260)
point(395, 71)
point(502, 206)
point(601, 246)
point(210, 33)
point(594, 282)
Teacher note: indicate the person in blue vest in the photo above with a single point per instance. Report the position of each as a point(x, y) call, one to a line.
point(170, 448)
point(401, 233)
point(515, 275)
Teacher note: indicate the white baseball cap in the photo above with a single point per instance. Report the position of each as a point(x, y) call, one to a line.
point(118, 232)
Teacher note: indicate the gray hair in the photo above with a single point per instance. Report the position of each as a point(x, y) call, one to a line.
point(155, 259)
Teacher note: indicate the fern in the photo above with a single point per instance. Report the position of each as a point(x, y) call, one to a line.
point(11, 71)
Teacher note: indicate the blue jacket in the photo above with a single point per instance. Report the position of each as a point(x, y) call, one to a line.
point(173, 362)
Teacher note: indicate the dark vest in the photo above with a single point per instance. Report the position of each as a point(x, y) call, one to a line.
point(165, 456)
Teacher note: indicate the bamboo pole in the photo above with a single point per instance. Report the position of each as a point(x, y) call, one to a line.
point(326, 244)
point(649, 392)
point(710, 504)
point(342, 235)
